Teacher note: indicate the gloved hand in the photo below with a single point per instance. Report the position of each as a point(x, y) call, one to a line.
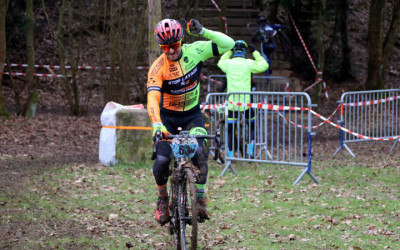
point(193, 27)
point(161, 127)
point(251, 48)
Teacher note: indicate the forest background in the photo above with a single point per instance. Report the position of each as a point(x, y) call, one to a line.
point(353, 43)
point(50, 126)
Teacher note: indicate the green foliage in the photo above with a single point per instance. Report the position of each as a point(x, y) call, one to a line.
point(356, 206)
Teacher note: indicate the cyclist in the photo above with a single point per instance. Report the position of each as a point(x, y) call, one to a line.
point(238, 72)
point(173, 89)
point(265, 34)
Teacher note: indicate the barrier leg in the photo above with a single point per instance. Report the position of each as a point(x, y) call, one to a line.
point(266, 152)
point(228, 164)
point(343, 144)
point(306, 171)
point(308, 168)
point(347, 148)
point(394, 145)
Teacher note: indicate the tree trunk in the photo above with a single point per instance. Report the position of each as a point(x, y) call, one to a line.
point(3, 11)
point(155, 16)
point(392, 32)
point(321, 49)
point(31, 104)
point(380, 47)
point(376, 68)
point(346, 64)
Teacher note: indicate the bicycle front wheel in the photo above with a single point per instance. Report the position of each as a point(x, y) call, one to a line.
point(193, 207)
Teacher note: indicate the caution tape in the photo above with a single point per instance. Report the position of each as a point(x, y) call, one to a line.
point(134, 127)
point(24, 65)
point(312, 127)
point(210, 79)
point(351, 132)
point(325, 120)
point(211, 106)
point(129, 127)
point(318, 73)
point(54, 67)
point(277, 108)
point(266, 106)
point(35, 74)
point(366, 103)
point(221, 17)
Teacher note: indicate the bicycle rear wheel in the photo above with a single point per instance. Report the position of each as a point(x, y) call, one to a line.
point(193, 207)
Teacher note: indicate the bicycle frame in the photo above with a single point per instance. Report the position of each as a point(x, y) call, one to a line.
point(183, 175)
point(265, 33)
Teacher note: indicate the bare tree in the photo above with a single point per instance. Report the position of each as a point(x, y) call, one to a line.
point(31, 103)
point(380, 46)
point(320, 48)
point(155, 16)
point(120, 43)
point(3, 11)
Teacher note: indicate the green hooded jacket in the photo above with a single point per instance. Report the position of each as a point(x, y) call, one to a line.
point(238, 73)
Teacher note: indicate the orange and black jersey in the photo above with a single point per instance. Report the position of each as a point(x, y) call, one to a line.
point(174, 86)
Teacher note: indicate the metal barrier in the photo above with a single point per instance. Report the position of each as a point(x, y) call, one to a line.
point(369, 113)
point(276, 139)
point(262, 83)
point(215, 110)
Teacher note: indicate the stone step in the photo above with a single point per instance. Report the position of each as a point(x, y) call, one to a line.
point(232, 22)
point(243, 4)
point(238, 13)
point(280, 65)
point(230, 13)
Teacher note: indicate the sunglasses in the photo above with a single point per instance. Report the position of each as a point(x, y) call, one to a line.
point(173, 46)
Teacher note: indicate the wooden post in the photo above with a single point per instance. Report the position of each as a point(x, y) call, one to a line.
point(155, 16)
point(3, 11)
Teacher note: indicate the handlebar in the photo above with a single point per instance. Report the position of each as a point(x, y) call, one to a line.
point(158, 135)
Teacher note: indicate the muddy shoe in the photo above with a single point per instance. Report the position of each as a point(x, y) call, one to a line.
point(162, 212)
point(202, 209)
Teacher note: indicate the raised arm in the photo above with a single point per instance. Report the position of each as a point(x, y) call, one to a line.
point(223, 42)
point(259, 64)
point(223, 63)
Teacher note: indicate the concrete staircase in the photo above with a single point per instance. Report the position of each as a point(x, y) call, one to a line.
point(239, 13)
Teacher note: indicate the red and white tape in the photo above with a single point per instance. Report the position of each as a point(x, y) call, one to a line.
point(35, 74)
point(351, 132)
point(312, 127)
point(302, 42)
point(210, 106)
point(266, 106)
point(221, 17)
point(318, 73)
point(208, 78)
point(67, 66)
point(325, 120)
point(366, 103)
point(23, 65)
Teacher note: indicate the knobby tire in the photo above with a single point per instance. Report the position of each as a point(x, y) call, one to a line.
point(174, 226)
point(182, 200)
point(193, 203)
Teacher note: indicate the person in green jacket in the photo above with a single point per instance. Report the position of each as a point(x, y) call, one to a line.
point(238, 72)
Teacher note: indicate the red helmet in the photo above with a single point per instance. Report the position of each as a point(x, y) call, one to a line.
point(168, 31)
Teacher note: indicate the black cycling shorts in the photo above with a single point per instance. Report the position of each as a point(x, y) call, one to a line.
point(172, 122)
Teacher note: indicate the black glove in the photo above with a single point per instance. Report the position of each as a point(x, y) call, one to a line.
point(251, 48)
point(194, 28)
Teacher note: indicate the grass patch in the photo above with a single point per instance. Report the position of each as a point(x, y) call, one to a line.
point(91, 206)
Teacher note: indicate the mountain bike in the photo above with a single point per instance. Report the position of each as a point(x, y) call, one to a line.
point(266, 34)
point(183, 174)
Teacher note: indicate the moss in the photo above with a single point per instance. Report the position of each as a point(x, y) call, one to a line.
point(133, 145)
